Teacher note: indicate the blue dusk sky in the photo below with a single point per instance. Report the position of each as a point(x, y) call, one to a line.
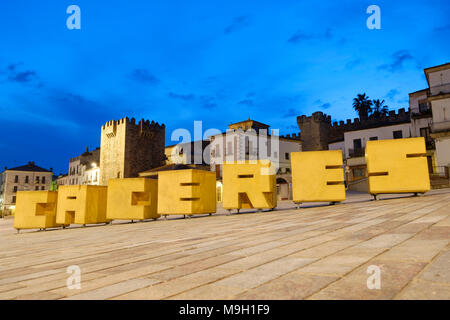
point(175, 62)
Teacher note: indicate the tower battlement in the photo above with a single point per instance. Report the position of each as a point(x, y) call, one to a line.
point(144, 124)
point(316, 117)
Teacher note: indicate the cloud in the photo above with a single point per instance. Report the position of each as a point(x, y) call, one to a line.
point(290, 113)
point(445, 28)
point(328, 33)
point(322, 105)
point(207, 102)
point(300, 36)
point(292, 127)
point(392, 93)
point(238, 23)
point(246, 102)
point(144, 76)
point(398, 59)
point(352, 64)
point(76, 107)
point(13, 74)
point(184, 97)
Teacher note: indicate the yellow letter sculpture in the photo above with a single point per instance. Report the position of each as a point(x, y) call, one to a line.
point(35, 209)
point(249, 184)
point(132, 199)
point(397, 166)
point(186, 192)
point(81, 204)
point(317, 176)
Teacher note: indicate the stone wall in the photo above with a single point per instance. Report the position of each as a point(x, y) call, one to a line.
point(128, 148)
point(317, 131)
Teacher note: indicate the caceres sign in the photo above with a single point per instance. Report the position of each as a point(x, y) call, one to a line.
point(394, 166)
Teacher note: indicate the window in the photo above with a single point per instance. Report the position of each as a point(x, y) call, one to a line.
point(43, 179)
point(423, 106)
point(229, 148)
point(42, 188)
point(286, 156)
point(14, 199)
point(358, 172)
point(27, 180)
point(373, 138)
point(37, 179)
point(217, 150)
point(425, 132)
point(16, 179)
point(398, 134)
point(37, 188)
point(15, 189)
point(357, 144)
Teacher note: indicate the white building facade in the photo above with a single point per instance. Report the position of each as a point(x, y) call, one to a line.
point(438, 79)
point(248, 140)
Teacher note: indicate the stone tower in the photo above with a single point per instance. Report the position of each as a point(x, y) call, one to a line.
point(127, 148)
point(315, 131)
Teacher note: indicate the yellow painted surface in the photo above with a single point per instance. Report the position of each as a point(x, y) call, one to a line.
point(397, 166)
point(186, 192)
point(249, 184)
point(317, 176)
point(36, 210)
point(81, 204)
point(132, 199)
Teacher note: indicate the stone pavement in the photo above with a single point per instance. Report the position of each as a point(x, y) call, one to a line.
point(318, 252)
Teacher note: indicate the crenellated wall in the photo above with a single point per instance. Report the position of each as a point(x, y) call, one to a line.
point(317, 131)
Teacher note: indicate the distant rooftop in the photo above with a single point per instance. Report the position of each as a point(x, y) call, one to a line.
point(31, 167)
point(249, 123)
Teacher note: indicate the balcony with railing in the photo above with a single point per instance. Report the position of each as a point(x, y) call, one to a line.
point(356, 152)
point(424, 111)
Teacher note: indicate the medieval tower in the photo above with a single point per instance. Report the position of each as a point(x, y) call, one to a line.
point(127, 148)
point(315, 131)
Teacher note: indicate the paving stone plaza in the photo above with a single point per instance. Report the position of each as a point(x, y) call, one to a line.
point(316, 252)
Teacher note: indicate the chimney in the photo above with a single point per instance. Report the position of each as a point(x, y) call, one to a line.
point(87, 149)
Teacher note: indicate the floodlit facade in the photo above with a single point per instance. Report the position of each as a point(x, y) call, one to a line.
point(29, 177)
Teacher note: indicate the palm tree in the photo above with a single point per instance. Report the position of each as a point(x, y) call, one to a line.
point(363, 105)
point(379, 109)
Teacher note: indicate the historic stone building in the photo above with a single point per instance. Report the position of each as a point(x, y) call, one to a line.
point(128, 148)
point(83, 169)
point(28, 177)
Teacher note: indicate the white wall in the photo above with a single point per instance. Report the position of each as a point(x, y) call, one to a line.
point(439, 81)
point(237, 140)
point(417, 124)
point(441, 110)
point(442, 152)
point(340, 145)
point(382, 133)
point(414, 101)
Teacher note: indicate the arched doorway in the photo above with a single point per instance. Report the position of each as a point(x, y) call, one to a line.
point(282, 189)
